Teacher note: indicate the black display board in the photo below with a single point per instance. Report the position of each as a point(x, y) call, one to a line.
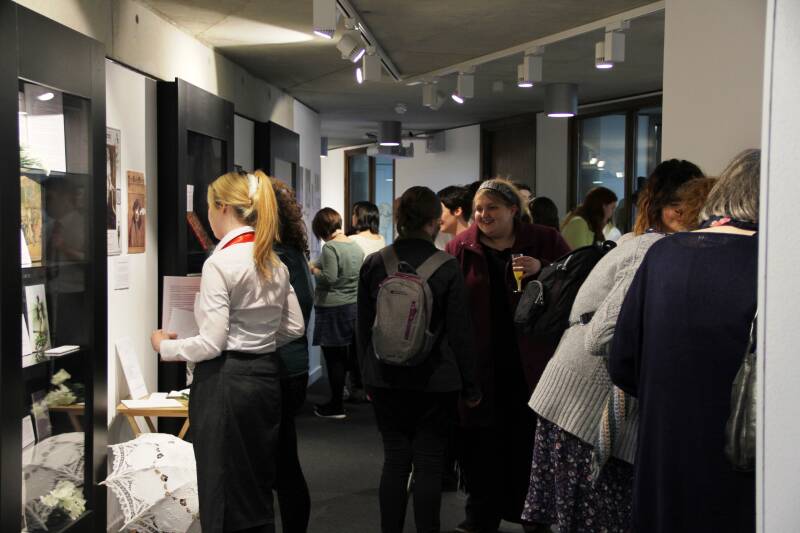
point(274, 147)
point(195, 146)
point(45, 61)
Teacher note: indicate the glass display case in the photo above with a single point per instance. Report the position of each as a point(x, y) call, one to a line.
point(195, 146)
point(53, 273)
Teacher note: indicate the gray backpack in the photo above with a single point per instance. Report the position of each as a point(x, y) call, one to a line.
point(401, 333)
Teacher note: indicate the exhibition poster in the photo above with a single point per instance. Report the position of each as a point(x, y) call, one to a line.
point(136, 212)
point(113, 190)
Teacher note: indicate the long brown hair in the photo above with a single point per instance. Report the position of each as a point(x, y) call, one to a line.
point(291, 227)
point(659, 192)
point(592, 210)
point(253, 200)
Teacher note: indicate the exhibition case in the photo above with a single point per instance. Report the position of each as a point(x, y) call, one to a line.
point(195, 146)
point(53, 325)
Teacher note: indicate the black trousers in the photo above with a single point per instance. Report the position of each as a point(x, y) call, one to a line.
point(414, 427)
point(235, 410)
point(495, 465)
point(290, 484)
point(336, 365)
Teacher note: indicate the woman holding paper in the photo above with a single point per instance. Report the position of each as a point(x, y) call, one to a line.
point(246, 310)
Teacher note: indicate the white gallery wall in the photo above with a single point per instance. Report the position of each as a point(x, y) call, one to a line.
point(778, 462)
point(332, 179)
point(459, 164)
point(713, 73)
point(131, 108)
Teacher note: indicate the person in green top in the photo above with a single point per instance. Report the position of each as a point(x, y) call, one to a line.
point(584, 225)
point(335, 297)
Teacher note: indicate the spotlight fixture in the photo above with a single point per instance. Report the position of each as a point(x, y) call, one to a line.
point(465, 86)
point(561, 100)
point(432, 98)
point(601, 164)
point(611, 50)
point(325, 15)
point(359, 75)
point(371, 66)
point(593, 161)
point(620, 175)
point(389, 133)
point(46, 97)
point(351, 46)
point(529, 71)
point(323, 147)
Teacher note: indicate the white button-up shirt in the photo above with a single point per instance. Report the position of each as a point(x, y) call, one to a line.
point(237, 309)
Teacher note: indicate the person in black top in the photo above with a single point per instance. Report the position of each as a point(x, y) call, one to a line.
point(290, 483)
point(680, 339)
point(416, 406)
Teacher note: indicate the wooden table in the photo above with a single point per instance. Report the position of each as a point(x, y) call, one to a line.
point(73, 411)
point(167, 412)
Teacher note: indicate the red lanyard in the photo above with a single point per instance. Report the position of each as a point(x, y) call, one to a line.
point(244, 237)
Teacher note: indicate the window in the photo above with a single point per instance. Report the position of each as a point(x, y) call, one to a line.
point(617, 148)
point(370, 179)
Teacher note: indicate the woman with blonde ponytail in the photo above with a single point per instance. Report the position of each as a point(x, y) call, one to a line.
point(245, 310)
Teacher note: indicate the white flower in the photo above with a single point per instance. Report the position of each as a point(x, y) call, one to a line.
point(60, 377)
point(68, 497)
point(38, 409)
point(60, 396)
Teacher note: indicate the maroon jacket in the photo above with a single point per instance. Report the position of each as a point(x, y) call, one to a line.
point(533, 240)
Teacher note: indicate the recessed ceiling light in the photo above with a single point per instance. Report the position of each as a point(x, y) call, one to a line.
point(598, 182)
point(593, 161)
point(601, 164)
point(456, 98)
point(620, 174)
point(45, 97)
point(560, 115)
point(390, 144)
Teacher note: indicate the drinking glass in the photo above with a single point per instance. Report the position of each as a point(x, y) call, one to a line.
point(517, 273)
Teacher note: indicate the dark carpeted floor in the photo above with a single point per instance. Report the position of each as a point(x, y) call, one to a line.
point(342, 462)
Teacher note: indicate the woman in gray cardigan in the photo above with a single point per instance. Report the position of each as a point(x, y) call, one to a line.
point(581, 476)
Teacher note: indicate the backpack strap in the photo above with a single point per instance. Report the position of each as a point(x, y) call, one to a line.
point(390, 260)
point(429, 267)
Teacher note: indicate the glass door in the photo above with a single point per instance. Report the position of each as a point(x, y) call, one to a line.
point(370, 179)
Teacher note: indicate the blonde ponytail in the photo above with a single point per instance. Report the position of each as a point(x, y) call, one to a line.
point(253, 199)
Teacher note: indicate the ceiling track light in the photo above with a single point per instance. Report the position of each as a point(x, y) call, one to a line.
point(359, 75)
point(465, 86)
point(389, 133)
point(611, 50)
point(529, 72)
point(351, 46)
point(371, 66)
point(325, 15)
point(432, 97)
point(561, 100)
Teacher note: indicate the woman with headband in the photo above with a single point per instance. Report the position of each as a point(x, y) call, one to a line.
point(245, 310)
point(496, 438)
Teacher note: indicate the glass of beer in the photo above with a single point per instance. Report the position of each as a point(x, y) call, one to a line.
point(518, 272)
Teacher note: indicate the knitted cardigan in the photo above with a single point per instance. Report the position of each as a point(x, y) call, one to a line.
point(575, 385)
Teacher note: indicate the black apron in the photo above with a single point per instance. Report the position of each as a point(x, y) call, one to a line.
point(235, 411)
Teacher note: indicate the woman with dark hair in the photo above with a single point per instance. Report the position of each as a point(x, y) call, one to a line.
point(292, 249)
point(335, 299)
point(366, 227)
point(416, 406)
point(682, 369)
point(585, 223)
point(544, 212)
point(495, 437)
point(582, 473)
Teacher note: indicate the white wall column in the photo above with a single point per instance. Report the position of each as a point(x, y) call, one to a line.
point(778, 482)
point(713, 71)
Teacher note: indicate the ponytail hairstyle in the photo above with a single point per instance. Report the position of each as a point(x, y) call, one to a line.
point(253, 200)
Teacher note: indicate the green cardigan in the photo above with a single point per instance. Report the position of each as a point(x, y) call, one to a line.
point(577, 233)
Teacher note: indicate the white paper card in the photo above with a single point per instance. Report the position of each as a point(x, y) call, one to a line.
point(122, 273)
point(151, 404)
point(158, 396)
point(62, 350)
point(28, 436)
point(24, 253)
point(179, 293)
point(189, 198)
point(27, 347)
point(178, 393)
point(183, 323)
point(130, 367)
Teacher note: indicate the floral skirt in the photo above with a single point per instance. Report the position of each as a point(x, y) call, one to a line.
point(561, 490)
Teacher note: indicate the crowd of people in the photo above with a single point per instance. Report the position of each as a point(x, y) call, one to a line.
point(615, 425)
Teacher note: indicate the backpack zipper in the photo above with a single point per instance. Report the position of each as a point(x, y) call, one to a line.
point(412, 313)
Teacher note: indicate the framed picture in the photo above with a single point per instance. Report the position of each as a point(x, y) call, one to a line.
point(136, 212)
point(113, 189)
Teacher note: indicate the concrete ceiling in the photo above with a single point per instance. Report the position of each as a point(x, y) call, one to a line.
point(273, 40)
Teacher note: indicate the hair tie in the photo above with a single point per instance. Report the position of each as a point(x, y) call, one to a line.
point(252, 182)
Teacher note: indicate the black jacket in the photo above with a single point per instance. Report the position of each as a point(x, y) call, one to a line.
point(295, 354)
point(451, 364)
